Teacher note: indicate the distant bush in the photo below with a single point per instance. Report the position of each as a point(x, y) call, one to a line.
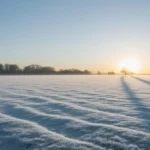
point(111, 73)
point(73, 71)
point(99, 73)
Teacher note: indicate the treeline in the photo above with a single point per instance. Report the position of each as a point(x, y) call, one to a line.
point(13, 69)
point(127, 71)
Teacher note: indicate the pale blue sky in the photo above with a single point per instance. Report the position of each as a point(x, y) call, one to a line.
point(91, 34)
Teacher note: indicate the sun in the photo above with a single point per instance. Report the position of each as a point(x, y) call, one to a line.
point(132, 64)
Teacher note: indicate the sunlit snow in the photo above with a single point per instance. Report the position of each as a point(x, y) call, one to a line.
point(74, 112)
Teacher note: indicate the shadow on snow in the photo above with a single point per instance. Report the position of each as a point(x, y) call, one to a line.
point(136, 102)
point(142, 80)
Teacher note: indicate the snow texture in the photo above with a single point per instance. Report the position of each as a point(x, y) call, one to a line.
point(74, 112)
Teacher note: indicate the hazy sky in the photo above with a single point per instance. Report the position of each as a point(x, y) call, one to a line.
point(91, 34)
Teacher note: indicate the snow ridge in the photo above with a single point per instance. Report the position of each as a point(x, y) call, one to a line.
point(74, 112)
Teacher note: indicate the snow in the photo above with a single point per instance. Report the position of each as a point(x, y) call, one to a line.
point(74, 112)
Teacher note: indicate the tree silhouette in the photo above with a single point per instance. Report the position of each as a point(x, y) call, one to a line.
point(125, 71)
point(11, 69)
point(32, 69)
point(1, 68)
point(48, 70)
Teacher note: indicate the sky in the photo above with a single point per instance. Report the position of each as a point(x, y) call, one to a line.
point(83, 34)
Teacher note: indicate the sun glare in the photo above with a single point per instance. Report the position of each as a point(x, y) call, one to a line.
point(131, 64)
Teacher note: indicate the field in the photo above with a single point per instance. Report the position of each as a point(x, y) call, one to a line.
point(74, 112)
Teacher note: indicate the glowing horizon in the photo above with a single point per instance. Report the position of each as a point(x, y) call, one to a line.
point(132, 64)
point(96, 36)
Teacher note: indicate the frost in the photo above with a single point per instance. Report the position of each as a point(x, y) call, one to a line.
point(63, 112)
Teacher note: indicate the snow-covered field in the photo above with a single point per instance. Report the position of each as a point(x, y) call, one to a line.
point(74, 112)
